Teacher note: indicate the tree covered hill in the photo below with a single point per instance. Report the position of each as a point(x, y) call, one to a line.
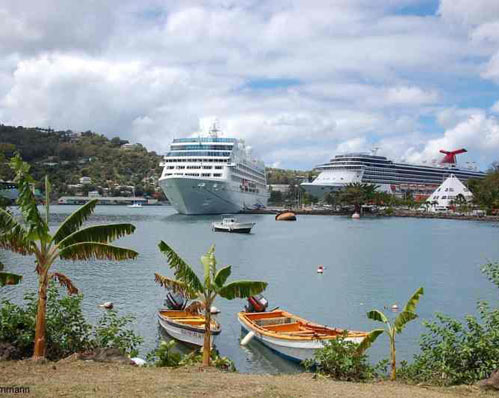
point(66, 156)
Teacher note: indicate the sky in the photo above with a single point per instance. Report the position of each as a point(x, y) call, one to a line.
point(299, 80)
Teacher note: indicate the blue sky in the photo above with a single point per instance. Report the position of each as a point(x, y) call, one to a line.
point(299, 80)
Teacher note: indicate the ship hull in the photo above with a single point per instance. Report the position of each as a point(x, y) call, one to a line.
point(203, 196)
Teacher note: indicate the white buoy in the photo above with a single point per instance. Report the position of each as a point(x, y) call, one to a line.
point(138, 361)
point(107, 305)
point(320, 269)
point(214, 310)
point(395, 307)
point(355, 216)
point(247, 338)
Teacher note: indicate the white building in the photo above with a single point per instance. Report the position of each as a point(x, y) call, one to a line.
point(85, 180)
point(447, 194)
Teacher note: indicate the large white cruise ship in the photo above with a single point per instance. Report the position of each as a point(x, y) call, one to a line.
point(211, 174)
point(390, 176)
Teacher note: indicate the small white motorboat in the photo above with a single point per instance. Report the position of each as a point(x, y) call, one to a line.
point(135, 205)
point(187, 327)
point(230, 224)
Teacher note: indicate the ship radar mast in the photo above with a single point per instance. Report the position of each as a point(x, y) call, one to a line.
point(214, 129)
point(374, 150)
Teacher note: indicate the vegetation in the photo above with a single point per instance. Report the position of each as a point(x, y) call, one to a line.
point(357, 194)
point(66, 157)
point(8, 278)
point(455, 351)
point(344, 360)
point(486, 191)
point(206, 290)
point(166, 356)
point(395, 327)
point(69, 242)
point(67, 331)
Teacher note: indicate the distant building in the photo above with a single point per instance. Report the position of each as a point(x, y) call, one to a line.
point(94, 194)
point(128, 146)
point(446, 195)
point(283, 188)
point(85, 180)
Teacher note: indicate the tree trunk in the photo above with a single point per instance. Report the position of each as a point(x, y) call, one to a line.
point(207, 336)
point(39, 350)
point(394, 361)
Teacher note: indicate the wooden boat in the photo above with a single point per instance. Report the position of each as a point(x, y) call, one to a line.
point(187, 327)
point(286, 216)
point(290, 336)
point(230, 224)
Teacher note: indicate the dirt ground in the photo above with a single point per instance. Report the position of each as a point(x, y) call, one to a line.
point(92, 379)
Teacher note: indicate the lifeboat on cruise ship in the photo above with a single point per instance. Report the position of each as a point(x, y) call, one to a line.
point(287, 215)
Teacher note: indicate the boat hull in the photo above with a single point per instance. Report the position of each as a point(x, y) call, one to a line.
point(185, 333)
point(244, 228)
point(203, 196)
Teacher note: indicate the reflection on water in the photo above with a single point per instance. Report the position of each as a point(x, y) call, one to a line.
point(369, 263)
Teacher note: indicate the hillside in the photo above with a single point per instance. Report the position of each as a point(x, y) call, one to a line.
point(65, 156)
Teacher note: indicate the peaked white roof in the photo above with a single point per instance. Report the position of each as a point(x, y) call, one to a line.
point(448, 191)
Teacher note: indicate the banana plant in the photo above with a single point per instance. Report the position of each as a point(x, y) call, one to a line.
point(32, 237)
point(392, 328)
point(207, 289)
point(7, 278)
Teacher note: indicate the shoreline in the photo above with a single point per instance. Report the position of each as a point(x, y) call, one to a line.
point(396, 213)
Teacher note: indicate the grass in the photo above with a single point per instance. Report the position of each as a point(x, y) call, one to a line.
point(92, 379)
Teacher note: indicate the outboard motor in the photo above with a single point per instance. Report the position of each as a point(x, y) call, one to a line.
point(256, 304)
point(175, 301)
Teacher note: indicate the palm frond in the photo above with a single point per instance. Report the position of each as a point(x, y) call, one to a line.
point(64, 281)
point(98, 233)
point(222, 276)
point(181, 269)
point(74, 221)
point(376, 315)
point(95, 250)
point(175, 286)
point(402, 319)
point(7, 278)
point(369, 340)
point(413, 301)
point(37, 227)
point(242, 289)
point(195, 307)
point(13, 235)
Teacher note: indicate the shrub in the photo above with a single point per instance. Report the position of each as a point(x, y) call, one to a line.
point(67, 329)
point(112, 332)
point(165, 355)
point(341, 360)
point(458, 352)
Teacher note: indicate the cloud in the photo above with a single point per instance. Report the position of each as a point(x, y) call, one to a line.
point(297, 79)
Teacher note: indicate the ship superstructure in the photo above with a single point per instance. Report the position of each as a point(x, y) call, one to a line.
point(388, 175)
point(211, 174)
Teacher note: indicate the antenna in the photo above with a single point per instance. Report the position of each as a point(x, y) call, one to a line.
point(214, 129)
point(374, 150)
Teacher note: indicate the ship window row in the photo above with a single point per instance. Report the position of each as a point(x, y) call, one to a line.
point(208, 160)
point(193, 174)
point(205, 139)
point(201, 147)
point(255, 169)
point(241, 180)
point(243, 174)
point(248, 171)
point(197, 153)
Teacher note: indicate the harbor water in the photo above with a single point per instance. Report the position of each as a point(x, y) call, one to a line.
point(368, 263)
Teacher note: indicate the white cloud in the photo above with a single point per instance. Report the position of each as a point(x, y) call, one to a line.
point(495, 107)
point(473, 12)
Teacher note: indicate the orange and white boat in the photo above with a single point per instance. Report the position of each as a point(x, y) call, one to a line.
point(290, 336)
point(186, 326)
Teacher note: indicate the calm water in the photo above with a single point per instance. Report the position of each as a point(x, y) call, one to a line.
point(370, 263)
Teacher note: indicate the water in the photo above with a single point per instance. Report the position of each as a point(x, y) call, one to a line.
point(369, 263)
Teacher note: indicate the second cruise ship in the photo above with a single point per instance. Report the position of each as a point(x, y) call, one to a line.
point(389, 176)
point(212, 174)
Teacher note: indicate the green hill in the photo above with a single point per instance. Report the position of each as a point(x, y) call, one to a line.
point(66, 156)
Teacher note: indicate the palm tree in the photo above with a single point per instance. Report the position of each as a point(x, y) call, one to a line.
point(392, 328)
point(69, 242)
point(206, 290)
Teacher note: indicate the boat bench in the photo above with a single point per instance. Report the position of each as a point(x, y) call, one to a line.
point(273, 321)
